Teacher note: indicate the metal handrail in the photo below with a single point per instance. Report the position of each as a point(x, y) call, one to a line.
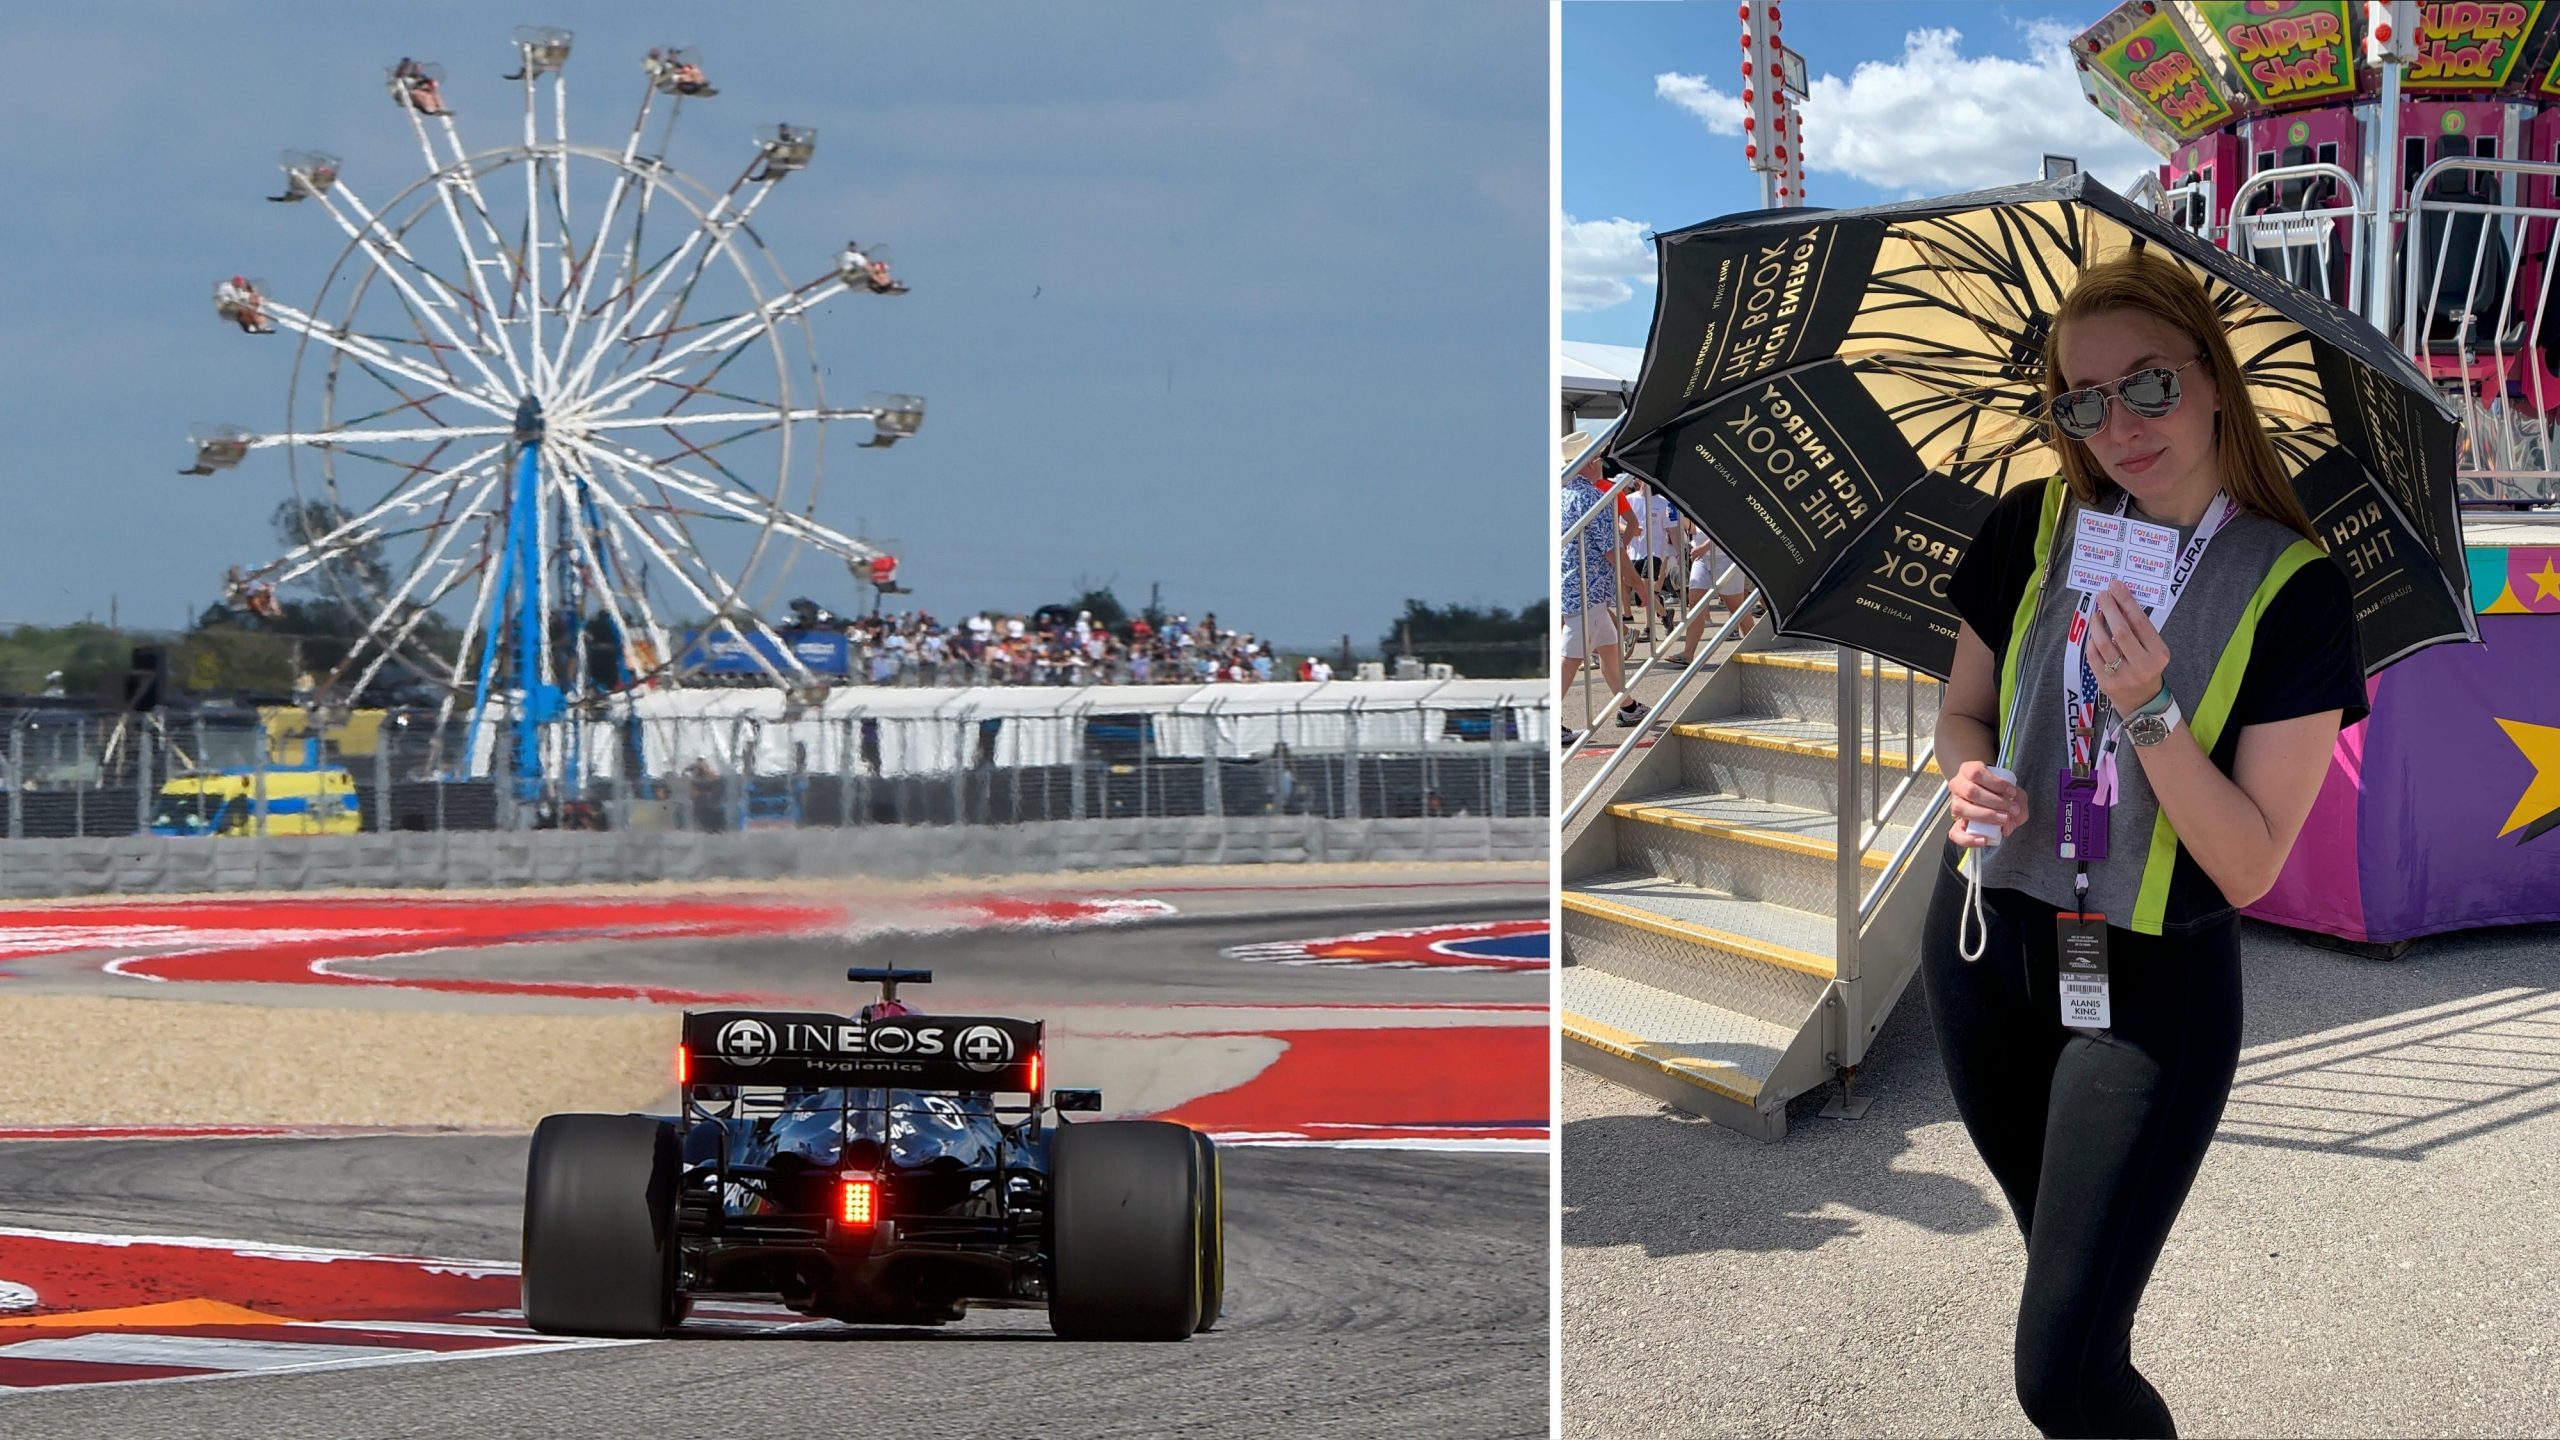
point(1671, 698)
point(2490, 431)
point(2353, 212)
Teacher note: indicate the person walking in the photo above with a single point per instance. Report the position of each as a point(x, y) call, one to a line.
point(1707, 563)
point(2083, 971)
point(1590, 590)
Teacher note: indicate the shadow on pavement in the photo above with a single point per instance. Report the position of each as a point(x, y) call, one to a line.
point(1706, 1188)
point(2341, 1055)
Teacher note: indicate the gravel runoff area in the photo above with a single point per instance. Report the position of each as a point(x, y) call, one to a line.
point(2370, 1249)
point(88, 1060)
point(363, 1056)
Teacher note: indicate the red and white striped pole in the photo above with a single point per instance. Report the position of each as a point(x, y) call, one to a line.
point(1764, 127)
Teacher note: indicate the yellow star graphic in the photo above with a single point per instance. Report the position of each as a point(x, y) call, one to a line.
point(2541, 745)
point(2546, 581)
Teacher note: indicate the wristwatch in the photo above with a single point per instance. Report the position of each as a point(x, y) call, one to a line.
point(2152, 723)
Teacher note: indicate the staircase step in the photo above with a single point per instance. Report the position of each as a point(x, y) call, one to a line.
point(1786, 736)
point(1804, 833)
point(1720, 1051)
point(1754, 929)
point(1776, 762)
point(1829, 664)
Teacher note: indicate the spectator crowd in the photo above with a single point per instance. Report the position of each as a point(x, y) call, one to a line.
point(1059, 647)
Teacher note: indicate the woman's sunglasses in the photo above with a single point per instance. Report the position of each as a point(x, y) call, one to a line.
point(2151, 394)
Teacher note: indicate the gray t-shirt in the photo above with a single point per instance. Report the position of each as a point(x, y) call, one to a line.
point(2209, 612)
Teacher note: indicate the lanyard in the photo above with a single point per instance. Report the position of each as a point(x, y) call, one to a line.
point(2089, 749)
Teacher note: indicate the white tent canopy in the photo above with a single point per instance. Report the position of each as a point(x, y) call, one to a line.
point(1596, 379)
point(935, 731)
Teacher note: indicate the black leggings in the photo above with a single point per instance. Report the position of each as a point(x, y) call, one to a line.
point(2094, 1137)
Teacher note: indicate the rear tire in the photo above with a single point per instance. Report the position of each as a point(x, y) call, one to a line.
point(1126, 1239)
point(599, 1226)
point(1213, 1233)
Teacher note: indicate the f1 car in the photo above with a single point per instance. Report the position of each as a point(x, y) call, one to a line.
point(873, 1168)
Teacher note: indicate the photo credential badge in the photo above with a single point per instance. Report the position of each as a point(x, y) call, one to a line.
point(2082, 968)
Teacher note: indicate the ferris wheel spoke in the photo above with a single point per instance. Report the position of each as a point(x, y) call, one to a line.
point(617, 392)
point(708, 492)
point(434, 307)
point(385, 649)
point(529, 267)
point(470, 631)
point(468, 181)
point(349, 532)
point(629, 277)
point(706, 223)
point(310, 328)
point(701, 391)
point(339, 439)
point(419, 403)
point(472, 262)
point(451, 526)
point(408, 402)
point(720, 228)
point(717, 611)
point(584, 539)
point(766, 419)
point(576, 309)
point(634, 587)
point(279, 573)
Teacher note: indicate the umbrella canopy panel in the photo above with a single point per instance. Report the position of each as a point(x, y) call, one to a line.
point(1838, 397)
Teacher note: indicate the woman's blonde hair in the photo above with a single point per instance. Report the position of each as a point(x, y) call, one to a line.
point(2141, 281)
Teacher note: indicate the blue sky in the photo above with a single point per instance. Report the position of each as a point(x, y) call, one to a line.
point(1914, 97)
point(1190, 281)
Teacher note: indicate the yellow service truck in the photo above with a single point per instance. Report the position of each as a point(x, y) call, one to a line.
point(314, 800)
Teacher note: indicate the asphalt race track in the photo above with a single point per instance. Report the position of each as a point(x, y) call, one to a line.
point(1370, 1291)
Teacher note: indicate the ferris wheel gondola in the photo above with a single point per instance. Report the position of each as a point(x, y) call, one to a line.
point(554, 411)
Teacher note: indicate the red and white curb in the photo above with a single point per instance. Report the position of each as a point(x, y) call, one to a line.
point(313, 942)
point(89, 1309)
point(1479, 1088)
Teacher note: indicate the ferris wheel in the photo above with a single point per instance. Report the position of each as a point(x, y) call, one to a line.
point(556, 418)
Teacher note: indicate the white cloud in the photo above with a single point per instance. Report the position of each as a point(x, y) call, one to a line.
point(1938, 120)
point(1721, 110)
point(1604, 262)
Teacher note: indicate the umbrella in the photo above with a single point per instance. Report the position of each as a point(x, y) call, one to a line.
point(1839, 395)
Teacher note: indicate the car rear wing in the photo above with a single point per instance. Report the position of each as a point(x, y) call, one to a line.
point(976, 1053)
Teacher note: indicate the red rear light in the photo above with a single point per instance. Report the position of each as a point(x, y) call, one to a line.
point(684, 1066)
point(1035, 1075)
point(859, 1202)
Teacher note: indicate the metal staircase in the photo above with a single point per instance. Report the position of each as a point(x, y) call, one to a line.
point(1721, 950)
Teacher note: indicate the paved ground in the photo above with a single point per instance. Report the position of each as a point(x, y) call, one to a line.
point(1370, 1292)
point(2370, 1249)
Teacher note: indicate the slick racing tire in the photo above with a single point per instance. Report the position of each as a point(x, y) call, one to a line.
point(1125, 1240)
point(1213, 1233)
point(599, 1226)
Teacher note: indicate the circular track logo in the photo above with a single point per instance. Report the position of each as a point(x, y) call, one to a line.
point(983, 1048)
point(1494, 945)
point(745, 1041)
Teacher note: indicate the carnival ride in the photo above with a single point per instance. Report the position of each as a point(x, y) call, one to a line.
point(2401, 160)
point(512, 405)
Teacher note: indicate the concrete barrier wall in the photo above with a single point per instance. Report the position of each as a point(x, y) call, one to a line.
point(153, 865)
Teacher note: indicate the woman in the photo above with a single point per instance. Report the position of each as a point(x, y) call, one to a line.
point(2186, 751)
point(1590, 587)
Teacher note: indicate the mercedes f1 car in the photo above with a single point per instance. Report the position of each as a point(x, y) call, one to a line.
point(886, 1167)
